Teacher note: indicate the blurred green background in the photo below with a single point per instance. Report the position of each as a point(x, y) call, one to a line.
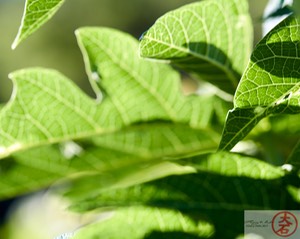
point(54, 45)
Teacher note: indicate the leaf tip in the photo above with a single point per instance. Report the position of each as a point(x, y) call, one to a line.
point(11, 76)
point(15, 43)
point(77, 32)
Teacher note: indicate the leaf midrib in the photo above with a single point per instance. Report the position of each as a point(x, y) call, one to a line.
point(23, 34)
point(229, 73)
point(139, 79)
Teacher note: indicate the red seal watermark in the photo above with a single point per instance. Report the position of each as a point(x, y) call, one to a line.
point(284, 224)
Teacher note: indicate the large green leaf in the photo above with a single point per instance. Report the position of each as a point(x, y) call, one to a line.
point(226, 165)
point(146, 84)
point(145, 222)
point(270, 84)
point(210, 38)
point(36, 13)
point(116, 155)
point(47, 108)
point(119, 131)
point(225, 185)
point(218, 199)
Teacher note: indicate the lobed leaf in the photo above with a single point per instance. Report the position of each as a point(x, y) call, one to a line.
point(116, 155)
point(36, 14)
point(210, 38)
point(47, 108)
point(120, 131)
point(270, 84)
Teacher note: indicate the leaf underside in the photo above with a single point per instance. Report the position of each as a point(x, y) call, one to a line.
point(227, 184)
point(270, 84)
point(47, 110)
point(141, 149)
point(36, 13)
point(210, 38)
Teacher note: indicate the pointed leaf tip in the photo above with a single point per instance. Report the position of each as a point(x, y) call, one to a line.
point(36, 14)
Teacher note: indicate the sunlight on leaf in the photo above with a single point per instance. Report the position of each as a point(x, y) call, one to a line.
point(210, 38)
point(145, 222)
point(36, 14)
point(118, 155)
point(270, 84)
point(218, 192)
point(48, 108)
point(235, 165)
point(227, 165)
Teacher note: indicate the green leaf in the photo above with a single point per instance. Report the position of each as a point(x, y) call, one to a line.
point(47, 108)
point(226, 184)
point(159, 139)
point(36, 14)
point(145, 222)
point(270, 84)
point(32, 170)
point(147, 84)
point(117, 156)
point(210, 38)
point(235, 165)
point(225, 164)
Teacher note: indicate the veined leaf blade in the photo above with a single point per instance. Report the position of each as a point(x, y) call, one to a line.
point(209, 38)
point(225, 185)
point(270, 84)
point(143, 116)
point(36, 14)
point(222, 164)
point(48, 108)
point(145, 222)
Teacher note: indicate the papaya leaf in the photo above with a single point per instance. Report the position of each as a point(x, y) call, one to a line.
point(225, 185)
point(47, 108)
point(210, 38)
point(143, 117)
point(270, 84)
point(118, 155)
point(155, 223)
point(235, 165)
point(20, 176)
point(36, 13)
point(225, 164)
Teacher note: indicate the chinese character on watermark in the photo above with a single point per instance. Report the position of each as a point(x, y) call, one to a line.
point(284, 224)
point(272, 224)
